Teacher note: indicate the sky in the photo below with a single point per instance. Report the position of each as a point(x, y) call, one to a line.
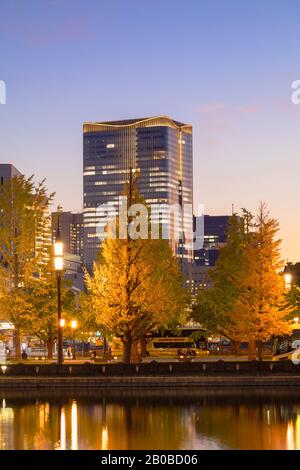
point(226, 67)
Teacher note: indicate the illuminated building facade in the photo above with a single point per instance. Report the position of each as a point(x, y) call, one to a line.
point(43, 232)
point(205, 258)
point(71, 231)
point(159, 148)
point(215, 235)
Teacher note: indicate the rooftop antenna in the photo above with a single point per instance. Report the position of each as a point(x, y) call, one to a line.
point(232, 209)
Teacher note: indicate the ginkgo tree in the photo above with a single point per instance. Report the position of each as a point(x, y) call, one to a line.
point(136, 286)
point(261, 310)
point(247, 301)
point(40, 309)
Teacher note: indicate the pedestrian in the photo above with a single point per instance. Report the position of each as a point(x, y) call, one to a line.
point(109, 354)
point(93, 356)
point(24, 355)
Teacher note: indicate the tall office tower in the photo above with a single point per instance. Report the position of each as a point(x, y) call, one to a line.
point(71, 230)
point(159, 148)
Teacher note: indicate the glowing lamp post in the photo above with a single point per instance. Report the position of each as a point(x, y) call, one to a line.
point(74, 326)
point(59, 266)
point(288, 280)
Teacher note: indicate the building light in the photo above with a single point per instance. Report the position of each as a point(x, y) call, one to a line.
point(110, 146)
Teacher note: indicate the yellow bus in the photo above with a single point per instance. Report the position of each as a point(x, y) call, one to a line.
point(187, 341)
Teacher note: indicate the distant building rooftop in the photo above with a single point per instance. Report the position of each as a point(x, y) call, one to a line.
point(137, 123)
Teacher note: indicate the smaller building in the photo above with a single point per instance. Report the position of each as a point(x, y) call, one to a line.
point(7, 172)
point(71, 230)
point(215, 236)
point(43, 233)
point(293, 270)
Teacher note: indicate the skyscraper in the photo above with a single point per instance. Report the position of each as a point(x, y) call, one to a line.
point(160, 148)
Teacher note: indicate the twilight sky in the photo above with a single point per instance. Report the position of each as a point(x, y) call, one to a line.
point(224, 66)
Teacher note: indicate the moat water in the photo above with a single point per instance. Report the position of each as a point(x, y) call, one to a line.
point(150, 419)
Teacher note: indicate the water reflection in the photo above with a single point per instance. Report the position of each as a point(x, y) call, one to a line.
point(150, 420)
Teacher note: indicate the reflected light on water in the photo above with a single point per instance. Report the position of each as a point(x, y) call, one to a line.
point(268, 417)
point(6, 420)
point(297, 426)
point(293, 434)
point(74, 426)
point(136, 420)
point(62, 430)
point(104, 437)
point(290, 436)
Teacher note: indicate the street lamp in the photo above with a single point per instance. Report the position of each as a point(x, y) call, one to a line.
point(296, 320)
point(59, 266)
point(74, 326)
point(288, 280)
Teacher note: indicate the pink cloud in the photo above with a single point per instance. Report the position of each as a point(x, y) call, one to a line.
point(43, 35)
point(215, 118)
point(249, 109)
point(211, 108)
point(218, 118)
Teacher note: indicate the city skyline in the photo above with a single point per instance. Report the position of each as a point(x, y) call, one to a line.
point(231, 82)
point(149, 254)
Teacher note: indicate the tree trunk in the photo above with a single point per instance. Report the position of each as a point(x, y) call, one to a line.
point(260, 350)
point(236, 347)
point(17, 344)
point(127, 351)
point(50, 348)
point(143, 346)
point(135, 356)
point(252, 351)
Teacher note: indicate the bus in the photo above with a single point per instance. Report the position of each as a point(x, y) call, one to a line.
point(181, 342)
